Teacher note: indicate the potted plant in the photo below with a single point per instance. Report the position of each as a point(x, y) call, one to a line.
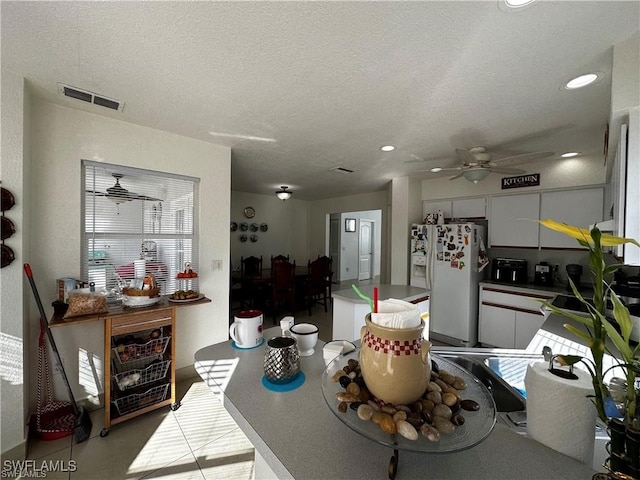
point(597, 328)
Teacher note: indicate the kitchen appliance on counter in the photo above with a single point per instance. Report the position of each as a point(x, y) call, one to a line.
point(510, 270)
point(542, 274)
point(574, 272)
point(448, 261)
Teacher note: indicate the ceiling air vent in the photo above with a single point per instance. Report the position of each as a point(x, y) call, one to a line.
point(90, 97)
point(342, 170)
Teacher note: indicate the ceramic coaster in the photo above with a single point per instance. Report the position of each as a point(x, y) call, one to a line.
point(284, 387)
point(233, 344)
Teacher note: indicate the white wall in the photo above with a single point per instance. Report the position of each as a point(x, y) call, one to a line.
point(61, 138)
point(288, 228)
point(14, 332)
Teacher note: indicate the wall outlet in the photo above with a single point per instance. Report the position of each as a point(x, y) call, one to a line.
point(216, 265)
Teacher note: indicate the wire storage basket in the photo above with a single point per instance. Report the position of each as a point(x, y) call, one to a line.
point(137, 356)
point(137, 401)
point(130, 379)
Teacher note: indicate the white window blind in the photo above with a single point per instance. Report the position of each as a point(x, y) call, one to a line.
point(138, 221)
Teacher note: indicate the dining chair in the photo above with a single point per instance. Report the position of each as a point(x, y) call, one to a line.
point(279, 258)
point(283, 286)
point(319, 282)
point(250, 271)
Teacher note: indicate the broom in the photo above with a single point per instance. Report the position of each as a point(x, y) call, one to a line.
point(83, 421)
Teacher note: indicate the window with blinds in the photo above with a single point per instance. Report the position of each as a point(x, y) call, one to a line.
point(136, 223)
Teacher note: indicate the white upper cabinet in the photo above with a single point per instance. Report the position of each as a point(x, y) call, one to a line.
point(469, 208)
point(579, 208)
point(434, 207)
point(510, 221)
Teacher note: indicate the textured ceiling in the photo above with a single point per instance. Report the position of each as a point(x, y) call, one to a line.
point(298, 88)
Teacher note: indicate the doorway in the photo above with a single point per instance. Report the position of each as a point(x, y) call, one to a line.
point(365, 247)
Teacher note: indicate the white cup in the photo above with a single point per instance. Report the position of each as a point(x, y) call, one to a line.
point(285, 325)
point(246, 330)
point(306, 334)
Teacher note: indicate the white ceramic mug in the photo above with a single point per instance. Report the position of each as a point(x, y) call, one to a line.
point(306, 334)
point(246, 330)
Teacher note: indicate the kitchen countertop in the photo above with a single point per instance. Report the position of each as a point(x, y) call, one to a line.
point(404, 292)
point(299, 437)
point(557, 288)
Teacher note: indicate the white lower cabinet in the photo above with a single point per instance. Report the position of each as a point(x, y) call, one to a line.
point(509, 319)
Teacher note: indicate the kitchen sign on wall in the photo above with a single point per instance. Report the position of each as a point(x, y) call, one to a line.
point(530, 180)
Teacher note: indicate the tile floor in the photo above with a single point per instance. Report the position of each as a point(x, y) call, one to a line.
point(197, 441)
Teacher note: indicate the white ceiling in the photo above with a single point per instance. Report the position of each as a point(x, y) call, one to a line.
point(298, 88)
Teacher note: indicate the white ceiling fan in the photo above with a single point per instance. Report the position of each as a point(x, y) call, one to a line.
point(476, 163)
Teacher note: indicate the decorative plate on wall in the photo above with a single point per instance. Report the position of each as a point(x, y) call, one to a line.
point(254, 227)
point(234, 226)
point(264, 227)
point(253, 238)
point(249, 212)
point(243, 238)
point(244, 226)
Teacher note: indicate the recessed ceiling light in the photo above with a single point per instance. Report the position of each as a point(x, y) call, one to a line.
point(570, 154)
point(436, 169)
point(581, 81)
point(387, 148)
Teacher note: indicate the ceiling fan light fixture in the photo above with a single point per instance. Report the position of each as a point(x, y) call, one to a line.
point(436, 169)
point(476, 175)
point(387, 148)
point(517, 3)
point(284, 194)
point(570, 154)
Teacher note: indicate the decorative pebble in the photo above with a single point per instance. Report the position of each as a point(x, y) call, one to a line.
point(365, 412)
point(447, 377)
point(443, 425)
point(374, 405)
point(399, 415)
point(353, 363)
point(427, 405)
point(459, 383)
point(377, 417)
point(352, 375)
point(336, 376)
point(435, 397)
point(344, 381)
point(346, 397)
point(388, 409)
point(387, 424)
point(442, 410)
point(406, 430)
point(430, 433)
point(364, 395)
point(449, 399)
point(470, 405)
point(353, 388)
point(434, 387)
point(342, 407)
point(355, 405)
point(457, 419)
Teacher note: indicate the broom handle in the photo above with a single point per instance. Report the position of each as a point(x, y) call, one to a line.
point(45, 325)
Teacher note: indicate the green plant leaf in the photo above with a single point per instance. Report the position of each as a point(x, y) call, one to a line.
point(567, 360)
point(578, 333)
point(621, 314)
point(622, 346)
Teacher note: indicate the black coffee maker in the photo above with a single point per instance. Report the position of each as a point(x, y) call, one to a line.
point(574, 272)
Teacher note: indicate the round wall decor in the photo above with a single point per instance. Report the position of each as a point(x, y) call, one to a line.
point(249, 212)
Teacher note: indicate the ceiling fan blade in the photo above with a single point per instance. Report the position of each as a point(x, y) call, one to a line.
point(524, 157)
point(507, 170)
point(135, 196)
point(457, 176)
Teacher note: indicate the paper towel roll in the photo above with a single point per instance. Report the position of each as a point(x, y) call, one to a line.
point(559, 414)
point(140, 268)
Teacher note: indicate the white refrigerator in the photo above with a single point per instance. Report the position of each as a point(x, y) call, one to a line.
point(448, 260)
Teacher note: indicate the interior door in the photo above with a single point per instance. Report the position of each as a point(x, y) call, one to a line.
point(365, 247)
